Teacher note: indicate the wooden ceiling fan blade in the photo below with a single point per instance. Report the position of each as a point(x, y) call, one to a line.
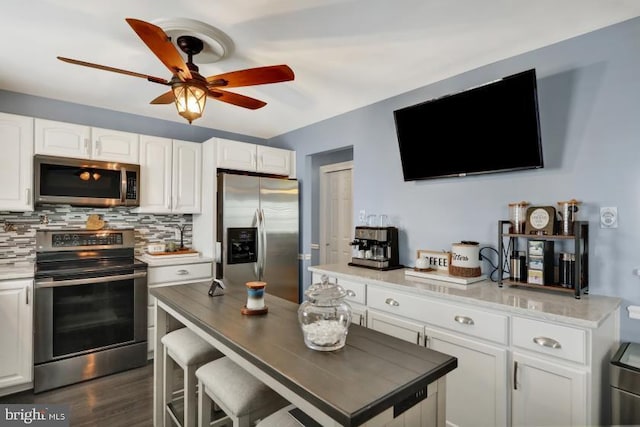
point(252, 76)
point(165, 98)
point(115, 70)
point(160, 44)
point(236, 99)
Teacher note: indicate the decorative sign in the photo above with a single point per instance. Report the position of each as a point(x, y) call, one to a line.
point(438, 260)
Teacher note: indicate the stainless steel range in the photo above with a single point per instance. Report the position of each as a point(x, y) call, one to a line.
point(90, 306)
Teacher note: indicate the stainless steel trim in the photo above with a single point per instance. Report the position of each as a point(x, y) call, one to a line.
point(264, 244)
point(464, 320)
point(44, 239)
point(546, 342)
point(370, 262)
point(68, 371)
point(123, 185)
point(50, 283)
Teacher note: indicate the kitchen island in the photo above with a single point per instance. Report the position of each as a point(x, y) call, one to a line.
point(375, 378)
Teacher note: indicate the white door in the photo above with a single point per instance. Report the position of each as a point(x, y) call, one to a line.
point(156, 155)
point(62, 139)
point(547, 394)
point(16, 163)
point(114, 146)
point(16, 332)
point(477, 388)
point(187, 177)
point(336, 213)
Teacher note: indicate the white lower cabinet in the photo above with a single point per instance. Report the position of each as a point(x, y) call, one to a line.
point(513, 370)
point(16, 335)
point(547, 394)
point(477, 388)
point(391, 325)
point(167, 273)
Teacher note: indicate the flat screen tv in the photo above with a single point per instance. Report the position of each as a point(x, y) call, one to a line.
point(490, 128)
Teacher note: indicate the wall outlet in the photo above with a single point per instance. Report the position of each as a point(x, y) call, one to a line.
point(609, 217)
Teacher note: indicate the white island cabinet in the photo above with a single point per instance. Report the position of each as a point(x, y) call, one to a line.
point(167, 270)
point(16, 335)
point(525, 358)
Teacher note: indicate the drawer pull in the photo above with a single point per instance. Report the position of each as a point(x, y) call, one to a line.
point(547, 342)
point(391, 301)
point(350, 293)
point(464, 320)
point(182, 272)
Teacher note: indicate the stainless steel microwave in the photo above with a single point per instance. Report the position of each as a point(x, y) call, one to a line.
point(82, 182)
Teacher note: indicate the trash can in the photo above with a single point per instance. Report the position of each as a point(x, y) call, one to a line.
point(625, 385)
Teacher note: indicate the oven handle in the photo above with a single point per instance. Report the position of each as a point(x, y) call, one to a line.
point(49, 283)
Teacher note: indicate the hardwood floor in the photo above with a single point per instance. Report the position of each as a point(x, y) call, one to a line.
point(124, 399)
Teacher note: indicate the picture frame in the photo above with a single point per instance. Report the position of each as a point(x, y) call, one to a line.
point(438, 260)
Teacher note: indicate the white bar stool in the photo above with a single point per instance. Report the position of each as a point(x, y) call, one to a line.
point(243, 398)
point(280, 418)
point(187, 350)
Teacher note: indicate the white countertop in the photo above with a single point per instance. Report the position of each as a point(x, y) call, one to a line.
point(155, 261)
point(589, 311)
point(18, 270)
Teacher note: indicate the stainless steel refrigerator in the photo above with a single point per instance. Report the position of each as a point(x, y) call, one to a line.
point(257, 232)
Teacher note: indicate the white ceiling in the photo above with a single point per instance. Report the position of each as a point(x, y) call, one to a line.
point(345, 53)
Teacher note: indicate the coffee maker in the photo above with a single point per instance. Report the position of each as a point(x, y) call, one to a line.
point(376, 248)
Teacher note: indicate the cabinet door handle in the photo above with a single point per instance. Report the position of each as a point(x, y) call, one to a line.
point(392, 302)
point(28, 194)
point(28, 295)
point(546, 342)
point(419, 338)
point(182, 272)
point(464, 320)
point(515, 374)
point(350, 293)
point(98, 147)
point(86, 146)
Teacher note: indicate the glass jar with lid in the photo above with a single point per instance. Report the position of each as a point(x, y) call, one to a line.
point(325, 317)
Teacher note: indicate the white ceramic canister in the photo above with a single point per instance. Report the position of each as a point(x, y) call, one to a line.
point(465, 259)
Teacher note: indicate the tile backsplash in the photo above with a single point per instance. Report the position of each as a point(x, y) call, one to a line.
point(18, 229)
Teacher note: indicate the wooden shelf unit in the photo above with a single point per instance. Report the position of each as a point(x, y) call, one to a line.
point(580, 248)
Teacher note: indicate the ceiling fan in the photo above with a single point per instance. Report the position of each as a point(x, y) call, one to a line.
point(189, 89)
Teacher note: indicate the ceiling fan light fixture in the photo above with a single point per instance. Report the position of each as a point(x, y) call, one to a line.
point(190, 100)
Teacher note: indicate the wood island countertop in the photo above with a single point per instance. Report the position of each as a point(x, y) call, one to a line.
point(371, 374)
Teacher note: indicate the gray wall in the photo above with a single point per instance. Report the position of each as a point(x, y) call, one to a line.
point(50, 109)
point(589, 95)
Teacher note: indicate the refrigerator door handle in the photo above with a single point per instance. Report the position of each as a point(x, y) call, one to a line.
point(256, 265)
point(264, 244)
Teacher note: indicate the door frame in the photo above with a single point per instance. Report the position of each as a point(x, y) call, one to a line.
point(324, 206)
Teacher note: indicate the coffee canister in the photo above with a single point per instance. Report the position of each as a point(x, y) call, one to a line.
point(465, 259)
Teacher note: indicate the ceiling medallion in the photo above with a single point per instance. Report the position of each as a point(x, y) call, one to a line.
point(217, 45)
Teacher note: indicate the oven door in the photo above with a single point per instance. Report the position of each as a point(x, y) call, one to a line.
point(84, 315)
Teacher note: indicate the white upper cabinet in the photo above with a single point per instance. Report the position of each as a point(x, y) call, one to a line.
point(62, 139)
point(274, 160)
point(71, 140)
point(243, 156)
point(187, 177)
point(155, 174)
point(113, 145)
point(16, 163)
point(171, 175)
